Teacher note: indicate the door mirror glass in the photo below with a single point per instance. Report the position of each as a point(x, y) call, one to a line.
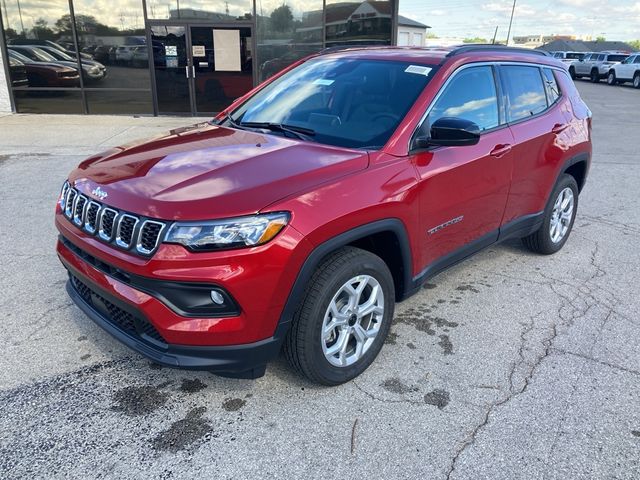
point(450, 132)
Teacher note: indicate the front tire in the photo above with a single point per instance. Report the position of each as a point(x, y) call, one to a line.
point(636, 80)
point(559, 216)
point(344, 318)
point(611, 78)
point(572, 73)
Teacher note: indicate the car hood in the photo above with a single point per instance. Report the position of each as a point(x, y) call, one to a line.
point(208, 172)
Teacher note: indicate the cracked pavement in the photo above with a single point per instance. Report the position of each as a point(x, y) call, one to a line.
point(509, 365)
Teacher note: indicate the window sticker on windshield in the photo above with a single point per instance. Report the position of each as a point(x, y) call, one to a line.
point(323, 81)
point(419, 69)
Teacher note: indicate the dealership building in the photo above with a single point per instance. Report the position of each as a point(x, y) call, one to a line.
point(163, 57)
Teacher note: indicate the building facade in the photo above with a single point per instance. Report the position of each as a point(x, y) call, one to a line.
point(411, 33)
point(167, 56)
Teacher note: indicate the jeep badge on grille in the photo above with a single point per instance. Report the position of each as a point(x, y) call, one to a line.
point(101, 194)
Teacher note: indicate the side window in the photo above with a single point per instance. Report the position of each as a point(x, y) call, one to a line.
point(637, 60)
point(601, 58)
point(551, 86)
point(586, 58)
point(524, 90)
point(471, 95)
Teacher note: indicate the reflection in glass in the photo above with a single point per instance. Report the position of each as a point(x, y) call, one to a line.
point(525, 91)
point(119, 102)
point(39, 23)
point(286, 34)
point(34, 101)
point(215, 11)
point(170, 62)
point(112, 35)
point(358, 23)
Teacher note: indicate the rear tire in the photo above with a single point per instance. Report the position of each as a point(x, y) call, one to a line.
point(611, 79)
point(636, 80)
point(333, 355)
point(572, 73)
point(558, 218)
point(595, 76)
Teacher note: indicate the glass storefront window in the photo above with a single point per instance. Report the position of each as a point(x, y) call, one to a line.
point(30, 29)
point(286, 32)
point(358, 23)
point(112, 40)
point(215, 11)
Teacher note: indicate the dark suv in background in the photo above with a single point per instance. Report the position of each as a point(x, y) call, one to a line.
point(315, 202)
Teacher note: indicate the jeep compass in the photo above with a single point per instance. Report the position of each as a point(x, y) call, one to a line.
point(298, 217)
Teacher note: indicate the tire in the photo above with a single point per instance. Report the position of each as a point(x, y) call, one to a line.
point(611, 78)
point(636, 80)
point(572, 73)
point(542, 241)
point(308, 350)
point(595, 76)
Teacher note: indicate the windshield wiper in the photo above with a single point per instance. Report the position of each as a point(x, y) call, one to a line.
point(299, 132)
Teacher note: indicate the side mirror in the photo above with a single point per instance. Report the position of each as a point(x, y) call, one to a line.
point(449, 132)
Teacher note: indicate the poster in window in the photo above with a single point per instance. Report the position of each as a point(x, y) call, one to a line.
point(226, 50)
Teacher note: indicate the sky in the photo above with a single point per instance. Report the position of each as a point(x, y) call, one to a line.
point(614, 20)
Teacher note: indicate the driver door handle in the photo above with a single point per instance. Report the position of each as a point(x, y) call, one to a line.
point(500, 150)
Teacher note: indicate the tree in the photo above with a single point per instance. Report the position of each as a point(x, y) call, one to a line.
point(42, 31)
point(635, 44)
point(282, 19)
point(475, 40)
point(601, 39)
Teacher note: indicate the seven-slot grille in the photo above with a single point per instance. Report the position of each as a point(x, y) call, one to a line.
point(125, 230)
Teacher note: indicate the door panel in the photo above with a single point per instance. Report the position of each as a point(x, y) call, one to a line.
point(463, 191)
point(222, 61)
point(170, 63)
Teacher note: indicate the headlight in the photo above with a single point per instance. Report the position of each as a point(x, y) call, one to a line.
point(230, 233)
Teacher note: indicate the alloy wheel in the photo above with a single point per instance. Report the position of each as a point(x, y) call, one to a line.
point(561, 215)
point(352, 320)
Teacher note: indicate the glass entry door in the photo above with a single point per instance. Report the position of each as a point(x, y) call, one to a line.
point(222, 66)
point(201, 69)
point(171, 65)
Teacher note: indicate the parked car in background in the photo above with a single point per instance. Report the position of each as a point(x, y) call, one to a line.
point(139, 56)
point(44, 74)
point(568, 57)
point(90, 74)
point(49, 43)
point(101, 54)
point(626, 71)
point(310, 206)
point(18, 73)
point(595, 65)
point(124, 53)
point(37, 54)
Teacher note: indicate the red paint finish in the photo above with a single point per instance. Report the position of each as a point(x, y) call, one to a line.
point(209, 172)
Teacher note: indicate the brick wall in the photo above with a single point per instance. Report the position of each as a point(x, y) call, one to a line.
point(5, 104)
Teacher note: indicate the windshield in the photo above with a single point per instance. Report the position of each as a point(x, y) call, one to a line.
point(41, 55)
point(19, 56)
point(350, 103)
point(58, 54)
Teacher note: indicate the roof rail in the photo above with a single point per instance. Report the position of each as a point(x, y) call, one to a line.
point(460, 49)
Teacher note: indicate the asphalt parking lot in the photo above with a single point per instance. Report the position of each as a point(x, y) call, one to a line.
point(509, 365)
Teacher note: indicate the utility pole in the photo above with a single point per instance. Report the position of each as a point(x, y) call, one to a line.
point(513, 9)
point(493, 42)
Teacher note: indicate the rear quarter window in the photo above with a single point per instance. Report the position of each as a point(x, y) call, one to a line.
point(551, 86)
point(525, 92)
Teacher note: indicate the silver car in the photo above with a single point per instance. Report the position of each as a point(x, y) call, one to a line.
point(596, 65)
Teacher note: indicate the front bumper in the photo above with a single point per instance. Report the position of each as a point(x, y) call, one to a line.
point(240, 361)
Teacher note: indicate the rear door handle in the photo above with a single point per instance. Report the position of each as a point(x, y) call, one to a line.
point(559, 127)
point(500, 150)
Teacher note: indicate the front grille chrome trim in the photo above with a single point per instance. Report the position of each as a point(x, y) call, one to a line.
point(119, 241)
point(139, 246)
point(101, 234)
point(140, 238)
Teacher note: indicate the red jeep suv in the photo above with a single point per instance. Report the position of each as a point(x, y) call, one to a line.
point(304, 211)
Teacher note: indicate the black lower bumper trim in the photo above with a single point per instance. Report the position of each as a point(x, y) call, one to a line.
point(238, 361)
